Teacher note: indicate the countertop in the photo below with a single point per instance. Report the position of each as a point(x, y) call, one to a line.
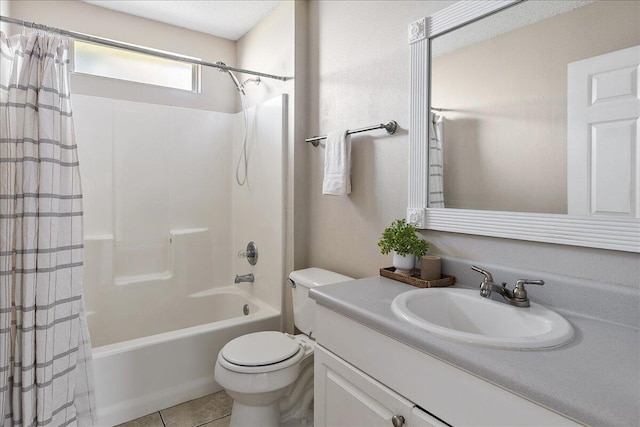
point(594, 379)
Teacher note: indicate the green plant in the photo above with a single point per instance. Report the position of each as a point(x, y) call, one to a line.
point(401, 237)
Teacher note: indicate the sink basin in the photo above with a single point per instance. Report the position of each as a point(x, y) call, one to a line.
point(463, 315)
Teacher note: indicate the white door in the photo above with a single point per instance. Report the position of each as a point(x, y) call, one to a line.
point(603, 154)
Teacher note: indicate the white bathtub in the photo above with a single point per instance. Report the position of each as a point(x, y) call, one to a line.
point(143, 375)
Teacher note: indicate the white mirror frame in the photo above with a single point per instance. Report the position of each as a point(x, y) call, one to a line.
point(614, 233)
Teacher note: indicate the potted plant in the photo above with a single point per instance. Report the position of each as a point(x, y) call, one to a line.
point(401, 239)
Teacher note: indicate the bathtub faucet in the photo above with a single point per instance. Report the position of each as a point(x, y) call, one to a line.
point(244, 278)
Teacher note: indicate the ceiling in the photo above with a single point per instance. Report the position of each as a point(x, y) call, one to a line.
point(229, 19)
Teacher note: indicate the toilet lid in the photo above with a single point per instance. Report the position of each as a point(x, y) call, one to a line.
point(259, 349)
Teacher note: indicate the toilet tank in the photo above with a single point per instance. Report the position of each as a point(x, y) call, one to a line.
point(303, 306)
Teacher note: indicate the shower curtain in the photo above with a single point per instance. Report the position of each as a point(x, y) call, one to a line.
point(45, 353)
point(436, 175)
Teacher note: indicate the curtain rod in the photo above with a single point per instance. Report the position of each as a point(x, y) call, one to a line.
point(390, 127)
point(111, 43)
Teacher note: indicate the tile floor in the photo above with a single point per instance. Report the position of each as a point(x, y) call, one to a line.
point(213, 410)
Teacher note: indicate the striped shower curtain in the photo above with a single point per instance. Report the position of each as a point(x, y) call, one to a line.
point(45, 353)
point(436, 170)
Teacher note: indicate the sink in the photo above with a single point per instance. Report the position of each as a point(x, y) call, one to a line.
point(463, 315)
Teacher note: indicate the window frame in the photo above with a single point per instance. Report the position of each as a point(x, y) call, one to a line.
point(196, 69)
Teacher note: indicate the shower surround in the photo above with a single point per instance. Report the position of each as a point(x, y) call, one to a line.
point(164, 221)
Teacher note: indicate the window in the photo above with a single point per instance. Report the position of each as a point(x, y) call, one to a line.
point(115, 63)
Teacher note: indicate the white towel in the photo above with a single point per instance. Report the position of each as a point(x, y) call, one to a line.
point(337, 164)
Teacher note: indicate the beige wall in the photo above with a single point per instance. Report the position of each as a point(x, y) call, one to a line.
point(358, 76)
point(359, 61)
point(269, 47)
point(298, 202)
point(505, 102)
point(218, 93)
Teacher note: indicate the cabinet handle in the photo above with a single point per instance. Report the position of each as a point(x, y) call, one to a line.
point(397, 420)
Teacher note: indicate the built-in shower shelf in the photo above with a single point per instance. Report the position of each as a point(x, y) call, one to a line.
point(182, 231)
point(130, 280)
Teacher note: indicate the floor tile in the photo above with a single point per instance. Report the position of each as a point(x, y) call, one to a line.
point(199, 411)
point(222, 422)
point(151, 420)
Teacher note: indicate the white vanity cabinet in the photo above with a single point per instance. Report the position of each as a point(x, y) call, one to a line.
point(345, 396)
point(365, 378)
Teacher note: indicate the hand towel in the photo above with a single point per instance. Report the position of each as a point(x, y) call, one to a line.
point(337, 164)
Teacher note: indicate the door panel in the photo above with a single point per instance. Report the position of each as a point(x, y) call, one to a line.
point(603, 158)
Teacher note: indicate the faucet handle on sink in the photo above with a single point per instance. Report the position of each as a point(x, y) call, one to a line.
point(520, 293)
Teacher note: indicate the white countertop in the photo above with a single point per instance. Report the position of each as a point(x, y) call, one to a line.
point(594, 379)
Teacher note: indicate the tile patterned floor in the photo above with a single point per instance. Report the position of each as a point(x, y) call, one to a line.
point(213, 410)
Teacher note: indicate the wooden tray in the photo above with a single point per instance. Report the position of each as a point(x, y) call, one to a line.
point(415, 280)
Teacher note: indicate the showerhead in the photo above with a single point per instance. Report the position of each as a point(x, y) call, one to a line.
point(236, 82)
point(256, 80)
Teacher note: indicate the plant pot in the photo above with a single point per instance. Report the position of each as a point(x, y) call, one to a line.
point(403, 263)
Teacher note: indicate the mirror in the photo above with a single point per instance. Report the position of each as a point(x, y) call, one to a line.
point(514, 150)
point(500, 88)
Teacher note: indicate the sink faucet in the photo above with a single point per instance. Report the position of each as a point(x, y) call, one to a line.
point(244, 278)
point(517, 296)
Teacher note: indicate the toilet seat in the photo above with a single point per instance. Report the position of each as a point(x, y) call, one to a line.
point(260, 352)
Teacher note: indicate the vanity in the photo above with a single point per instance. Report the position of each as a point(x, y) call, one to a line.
point(373, 369)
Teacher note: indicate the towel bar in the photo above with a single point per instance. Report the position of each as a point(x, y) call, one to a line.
point(390, 127)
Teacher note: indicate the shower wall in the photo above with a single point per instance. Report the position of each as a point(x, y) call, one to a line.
point(258, 207)
point(164, 217)
point(153, 174)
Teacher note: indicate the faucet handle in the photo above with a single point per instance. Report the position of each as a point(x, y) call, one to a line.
point(520, 283)
point(520, 293)
point(487, 276)
point(251, 253)
point(245, 254)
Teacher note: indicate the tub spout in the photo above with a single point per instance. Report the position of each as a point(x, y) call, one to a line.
point(244, 278)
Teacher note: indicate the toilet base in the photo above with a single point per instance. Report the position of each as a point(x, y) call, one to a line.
point(251, 416)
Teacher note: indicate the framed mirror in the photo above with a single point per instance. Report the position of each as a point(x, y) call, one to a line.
point(525, 121)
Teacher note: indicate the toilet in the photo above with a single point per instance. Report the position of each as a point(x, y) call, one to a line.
point(269, 375)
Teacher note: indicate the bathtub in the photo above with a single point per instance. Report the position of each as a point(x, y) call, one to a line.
point(143, 375)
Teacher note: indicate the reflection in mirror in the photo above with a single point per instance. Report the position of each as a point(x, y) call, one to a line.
point(498, 138)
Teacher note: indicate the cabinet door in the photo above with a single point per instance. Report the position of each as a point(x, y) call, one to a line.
point(346, 397)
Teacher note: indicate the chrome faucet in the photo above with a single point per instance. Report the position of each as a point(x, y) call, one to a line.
point(517, 296)
point(244, 278)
